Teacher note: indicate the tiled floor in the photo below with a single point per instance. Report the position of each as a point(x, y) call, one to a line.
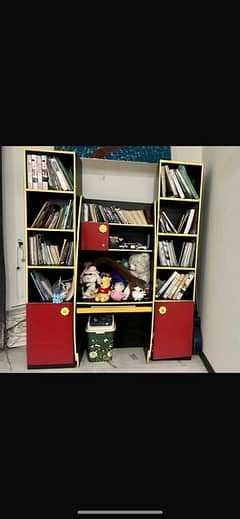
point(124, 360)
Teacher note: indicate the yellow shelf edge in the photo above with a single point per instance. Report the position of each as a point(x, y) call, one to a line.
point(115, 310)
point(50, 267)
point(176, 199)
point(177, 234)
point(175, 268)
point(43, 229)
point(129, 250)
point(128, 224)
point(55, 191)
point(123, 303)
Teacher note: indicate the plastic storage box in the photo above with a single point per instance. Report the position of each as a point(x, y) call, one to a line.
point(100, 337)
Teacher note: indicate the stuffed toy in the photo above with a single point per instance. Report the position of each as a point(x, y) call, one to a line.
point(137, 293)
point(139, 265)
point(120, 289)
point(104, 291)
point(90, 280)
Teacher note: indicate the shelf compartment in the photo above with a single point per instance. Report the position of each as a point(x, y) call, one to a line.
point(175, 213)
point(136, 334)
point(164, 274)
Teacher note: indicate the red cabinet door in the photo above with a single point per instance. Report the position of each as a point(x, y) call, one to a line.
point(173, 330)
point(94, 236)
point(50, 334)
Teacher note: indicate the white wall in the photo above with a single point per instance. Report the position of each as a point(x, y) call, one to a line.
point(219, 285)
point(117, 180)
point(103, 179)
point(187, 153)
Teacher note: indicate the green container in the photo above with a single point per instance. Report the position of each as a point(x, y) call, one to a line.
point(100, 340)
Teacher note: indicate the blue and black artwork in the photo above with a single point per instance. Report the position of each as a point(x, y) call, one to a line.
point(131, 153)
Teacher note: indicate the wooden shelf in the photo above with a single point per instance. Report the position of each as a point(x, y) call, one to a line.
point(36, 267)
point(175, 199)
point(114, 309)
point(43, 229)
point(175, 234)
point(130, 250)
point(175, 268)
point(128, 224)
point(47, 191)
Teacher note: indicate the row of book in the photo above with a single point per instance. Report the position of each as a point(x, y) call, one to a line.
point(187, 223)
point(176, 182)
point(46, 289)
point(43, 252)
point(111, 214)
point(175, 286)
point(167, 255)
point(55, 215)
point(48, 172)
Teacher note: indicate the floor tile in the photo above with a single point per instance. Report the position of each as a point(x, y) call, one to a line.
point(124, 360)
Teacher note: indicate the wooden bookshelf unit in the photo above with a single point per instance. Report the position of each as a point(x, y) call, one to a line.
point(108, 242)
point(175, 263)
point(50, 243)
point(80, 250)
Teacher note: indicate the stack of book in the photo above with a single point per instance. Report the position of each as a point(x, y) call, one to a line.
point(187, 223)
point(52, 215)
point(168, 257)
point(175, 286)
point(46, 290)
point(48, 173)
point(111, 214)
point(43, 252)
point(176, 182)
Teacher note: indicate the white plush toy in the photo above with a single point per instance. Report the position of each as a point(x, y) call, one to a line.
point(137, 293)
point(90, 279)
point(139, 265)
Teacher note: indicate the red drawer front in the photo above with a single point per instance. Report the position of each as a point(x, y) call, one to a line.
point(94, 236)
point(49, 334)
point(173, 330)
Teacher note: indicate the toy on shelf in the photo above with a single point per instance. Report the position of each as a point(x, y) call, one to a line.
point(62, 290)
point(120, 290)
point(137, 293)
point(104, 291)
point(139, 266)
point(90, 280)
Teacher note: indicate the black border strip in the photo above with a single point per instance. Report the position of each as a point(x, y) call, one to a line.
point(206, 362)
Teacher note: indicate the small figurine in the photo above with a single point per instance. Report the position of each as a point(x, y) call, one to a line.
point(116, 241)
point(90, 280)
point(137, 293)
point(62, 290)
point(104, 291)
point(120, 290)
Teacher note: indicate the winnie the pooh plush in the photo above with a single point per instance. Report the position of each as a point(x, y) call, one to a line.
point(104, 291)
point(139, 265)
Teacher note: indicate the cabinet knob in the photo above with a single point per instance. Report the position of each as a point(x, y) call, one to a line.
point(65, 311)
point(162, 310)
point(103, 228)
